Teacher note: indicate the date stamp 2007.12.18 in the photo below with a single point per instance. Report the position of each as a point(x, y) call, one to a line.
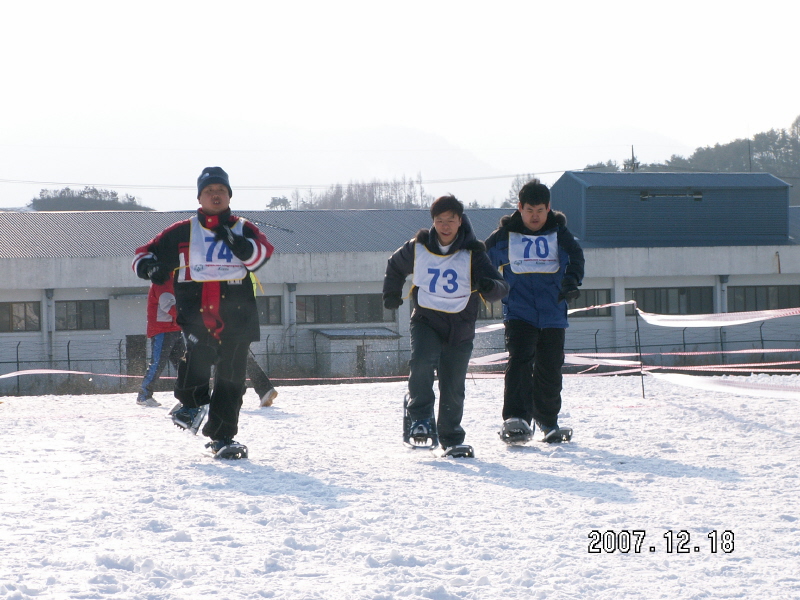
point(671, 542)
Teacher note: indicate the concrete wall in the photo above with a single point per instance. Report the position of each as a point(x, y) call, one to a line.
point(369, 267)
point(339, 358)
point(674, 262)
point(290, 351)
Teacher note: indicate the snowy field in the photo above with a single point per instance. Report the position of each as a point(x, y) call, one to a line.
point(103, 499)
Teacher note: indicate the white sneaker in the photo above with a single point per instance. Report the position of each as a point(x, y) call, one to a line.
point(147, 401)
point(266, 399)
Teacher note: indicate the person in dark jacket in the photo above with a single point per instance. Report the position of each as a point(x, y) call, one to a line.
point(263, 387)
point(450, 270)
point(543, 264)
point(210, 257)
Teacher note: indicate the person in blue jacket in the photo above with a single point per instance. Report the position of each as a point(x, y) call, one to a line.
point(543, 265)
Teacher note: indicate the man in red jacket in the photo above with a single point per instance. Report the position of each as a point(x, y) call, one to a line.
point(209, 257)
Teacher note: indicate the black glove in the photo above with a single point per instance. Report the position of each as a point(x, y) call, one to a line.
point(392, 301)
point(158, 273)
point(155, 271)
point(241, 248)
point(569, 290)
point(485, 285)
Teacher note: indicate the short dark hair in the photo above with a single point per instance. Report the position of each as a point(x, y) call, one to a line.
point(445, 203)
point(534, 192)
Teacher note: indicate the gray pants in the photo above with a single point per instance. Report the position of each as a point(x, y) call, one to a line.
point(429, 354)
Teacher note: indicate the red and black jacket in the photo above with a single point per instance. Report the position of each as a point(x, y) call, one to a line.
point(209, 309)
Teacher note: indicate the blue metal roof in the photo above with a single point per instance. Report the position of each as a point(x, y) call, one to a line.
point(794, 223)
point(677, 180)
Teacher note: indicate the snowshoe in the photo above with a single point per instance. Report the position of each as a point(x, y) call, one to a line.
point(515, 432)
point(419, 434)
point(190, 418)
point(459, 451)
point(554, 434)
point(227, 449)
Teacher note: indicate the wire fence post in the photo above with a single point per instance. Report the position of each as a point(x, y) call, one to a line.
point(638, 341)
point(119, 351)
point(69, 363)
point(18, 388)
point(266, 350)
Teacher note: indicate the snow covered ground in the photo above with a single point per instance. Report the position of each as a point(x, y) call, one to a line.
point(100, 498)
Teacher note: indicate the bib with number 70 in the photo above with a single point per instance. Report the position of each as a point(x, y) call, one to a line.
point(533, 253)
point(211, 260)
point(444, 281)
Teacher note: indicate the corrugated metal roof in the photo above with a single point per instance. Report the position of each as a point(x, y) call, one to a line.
point(794, 223)
point(119, 233)
point(677, 180)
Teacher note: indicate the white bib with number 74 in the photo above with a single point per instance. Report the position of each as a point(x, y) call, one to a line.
point(211, 260)
point(444, 281)
point(533, 253)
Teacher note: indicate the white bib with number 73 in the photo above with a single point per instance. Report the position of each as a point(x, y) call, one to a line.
point(533, 253)
point(444, 281)
point(211, 260)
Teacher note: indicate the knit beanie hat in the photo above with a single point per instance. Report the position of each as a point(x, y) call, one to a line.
point(213, 175)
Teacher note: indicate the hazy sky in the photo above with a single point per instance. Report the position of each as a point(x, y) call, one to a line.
point(140, 96)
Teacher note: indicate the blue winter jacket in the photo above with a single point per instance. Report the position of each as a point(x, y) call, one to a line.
point(534, 296)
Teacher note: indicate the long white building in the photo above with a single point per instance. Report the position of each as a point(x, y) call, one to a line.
point(69, 299)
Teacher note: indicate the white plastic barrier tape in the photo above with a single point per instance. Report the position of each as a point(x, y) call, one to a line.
point(705, 320)
point(60, 372)
point(717, 319)
point(572, 359)
point(731, 386)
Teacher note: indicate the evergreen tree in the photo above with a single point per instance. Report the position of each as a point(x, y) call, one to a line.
point(776, 151)
point(89, 198)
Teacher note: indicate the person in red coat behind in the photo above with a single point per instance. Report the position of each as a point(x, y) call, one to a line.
point(166, 342)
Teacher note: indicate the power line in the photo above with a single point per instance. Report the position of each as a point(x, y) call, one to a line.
point(258, 187)
point(326, 186)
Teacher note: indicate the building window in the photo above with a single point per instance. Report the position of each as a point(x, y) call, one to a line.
point(20, 316)
point(269, 310)
point(672, 301)
point(762, 297)
point(75, 315)
point(591, 298)
point(344, 308)
point(491, 310)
